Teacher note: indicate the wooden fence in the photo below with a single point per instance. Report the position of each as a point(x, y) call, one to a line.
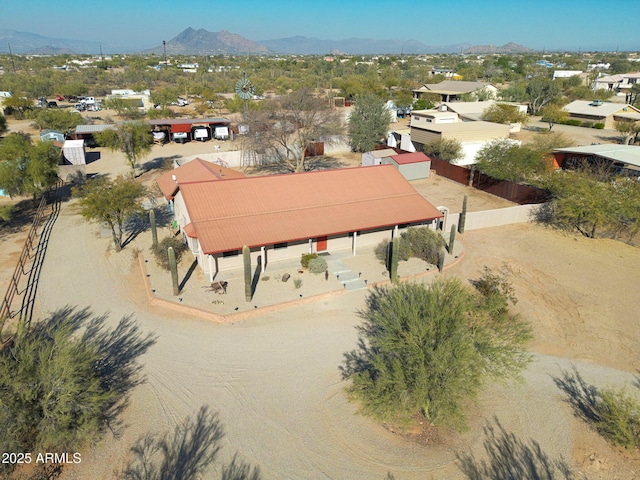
point(512, 191)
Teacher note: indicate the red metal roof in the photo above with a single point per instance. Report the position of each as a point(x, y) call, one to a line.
point(258, 211)
point(405, 158)
point(197, 170)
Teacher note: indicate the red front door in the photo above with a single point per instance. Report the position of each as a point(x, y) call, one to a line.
point(321, 244)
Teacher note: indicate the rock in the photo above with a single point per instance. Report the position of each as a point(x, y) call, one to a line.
point(286, 277)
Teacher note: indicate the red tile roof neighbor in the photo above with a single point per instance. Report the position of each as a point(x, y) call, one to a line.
point(257, 211)
point(405, 158)
point(197, 170)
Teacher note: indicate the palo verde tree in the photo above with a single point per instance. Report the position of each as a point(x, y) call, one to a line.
point(284, 129)
point(504, 113)
point(447, 149)
point(134, 139)
point(552, 114)
point(431, 349)
point(368, 123)
point(25, 168)
point(64, 381)
point(112, 202)
point(541, 91)
point(506, 160)
point(57, 119)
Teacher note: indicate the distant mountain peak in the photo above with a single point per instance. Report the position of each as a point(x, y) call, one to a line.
point(507, 48)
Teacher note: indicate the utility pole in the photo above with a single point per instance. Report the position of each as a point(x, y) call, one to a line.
point(164, 47)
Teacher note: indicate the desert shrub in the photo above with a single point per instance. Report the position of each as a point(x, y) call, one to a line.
point(306, 258)
point(6, 212)
point(421, 243)
point(619, 418)
point(587, 124)
point(160, 250)
point(573, 122)
point(599, 126)
point(317, 265)
point(381, 251)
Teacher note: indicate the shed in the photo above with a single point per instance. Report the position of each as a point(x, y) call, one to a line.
point(412, 166)
point(73, 152)
point(377, 157)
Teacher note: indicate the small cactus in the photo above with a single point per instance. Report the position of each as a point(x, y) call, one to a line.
point(174, 270)
point(452, 238)
point(395, 250)
point(154, 230)
point(246, 259)
point(463, 215)
point(441, 256)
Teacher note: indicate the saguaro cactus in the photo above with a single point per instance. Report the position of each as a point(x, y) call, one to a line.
point(441, 255)
point(463, 215)
point(246, 259)
point(395, 250)
point(452, 238)
point(154, 230)
point(174, 270)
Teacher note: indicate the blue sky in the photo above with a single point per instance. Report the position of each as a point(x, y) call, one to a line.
point(538, 24)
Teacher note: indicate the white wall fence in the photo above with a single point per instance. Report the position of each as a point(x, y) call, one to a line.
point(493, 218)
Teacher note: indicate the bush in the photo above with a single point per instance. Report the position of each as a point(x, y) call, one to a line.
point(573, 122)
point(306, 258)
point(161, 254)
point(65, 380)
point(587, 124)
point(599, 126)
point(318, 265)
point(6, 213)
point(422, 243)
point(619, 418)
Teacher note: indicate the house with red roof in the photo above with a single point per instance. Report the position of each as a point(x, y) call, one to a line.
point(284, 216)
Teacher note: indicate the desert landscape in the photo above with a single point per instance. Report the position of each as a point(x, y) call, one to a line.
point(274, 378)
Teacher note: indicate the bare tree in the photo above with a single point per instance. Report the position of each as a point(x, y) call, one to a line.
point(286, 128)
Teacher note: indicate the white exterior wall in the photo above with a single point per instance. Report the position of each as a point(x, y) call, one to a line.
point(470, 150)
point(493, 218)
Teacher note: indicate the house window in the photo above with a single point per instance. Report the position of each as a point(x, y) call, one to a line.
point(276, 246)
point(230, 253)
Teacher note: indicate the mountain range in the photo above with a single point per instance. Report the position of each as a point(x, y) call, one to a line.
point(203, 42)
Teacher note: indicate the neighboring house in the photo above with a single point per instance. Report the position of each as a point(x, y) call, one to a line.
point(472, 135)
point(86, 132)
point(283, 216)
point(597, 111)
point(566, 73)
point(52, 136)
point(451, 90)
point(625, 159)
point(620, 83)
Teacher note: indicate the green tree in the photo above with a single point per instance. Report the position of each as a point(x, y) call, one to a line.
point(504, 113)
point(447, 149)
point(541, 91)
point(3, 124)
point(112, 202)
point(134, 139)
point(57, 119)
point(64, 379)
point(628, 131)
point(164, 96)
point(368, 123)
point(26, 168)
point(506, 160)
point(431, 350)
point(553, 114)
point(586, 203)
point(17, 105)
point(124, 107)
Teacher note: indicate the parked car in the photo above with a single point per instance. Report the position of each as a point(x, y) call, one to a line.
point(52, 104)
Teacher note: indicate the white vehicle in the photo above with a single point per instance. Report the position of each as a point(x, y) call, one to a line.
point(201, 134)
point(180, 137)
